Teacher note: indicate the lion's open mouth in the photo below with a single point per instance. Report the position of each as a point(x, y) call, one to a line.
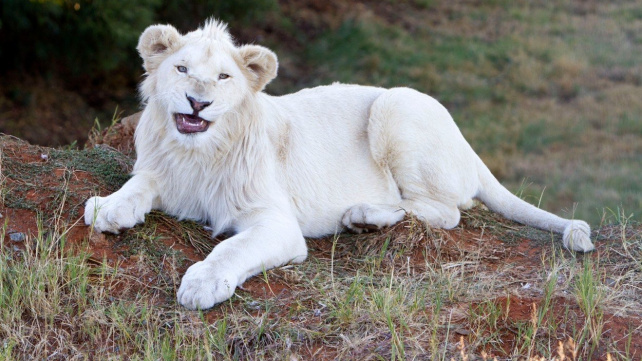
point(189, 123)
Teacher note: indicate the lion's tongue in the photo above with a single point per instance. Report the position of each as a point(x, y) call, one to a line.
point(186, 123)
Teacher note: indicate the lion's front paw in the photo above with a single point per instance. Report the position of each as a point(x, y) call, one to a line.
point(203, 286)
point(111, 214)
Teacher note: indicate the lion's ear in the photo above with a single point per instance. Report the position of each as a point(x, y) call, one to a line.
point(259, 64)
point(156, 43)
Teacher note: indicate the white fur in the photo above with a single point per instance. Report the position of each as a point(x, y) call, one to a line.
point(275, 169)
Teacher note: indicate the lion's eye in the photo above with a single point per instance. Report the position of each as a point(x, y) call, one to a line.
point(181, 69)
point(223, 76)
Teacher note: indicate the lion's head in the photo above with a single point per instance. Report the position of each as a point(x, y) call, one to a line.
point(193, 80)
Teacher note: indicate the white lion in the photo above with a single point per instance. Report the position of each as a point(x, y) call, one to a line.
point(213, 147)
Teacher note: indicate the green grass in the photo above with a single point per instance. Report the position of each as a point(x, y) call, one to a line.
point(589, 294)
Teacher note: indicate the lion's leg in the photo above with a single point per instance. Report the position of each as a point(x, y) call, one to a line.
point(124, 208)
point(414, 138)
point(268, 240)
point(433, 213)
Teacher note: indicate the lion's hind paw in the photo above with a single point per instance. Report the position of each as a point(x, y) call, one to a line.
point(365, 217)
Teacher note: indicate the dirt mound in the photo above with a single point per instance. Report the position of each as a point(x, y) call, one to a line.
point(488, 287)
point(119, 136)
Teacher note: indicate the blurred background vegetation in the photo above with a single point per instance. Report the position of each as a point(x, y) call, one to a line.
point(549, 93)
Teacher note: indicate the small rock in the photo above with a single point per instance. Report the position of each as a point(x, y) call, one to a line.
point(44, 156)
point(17, 236)
point(462, 331)
point(98, 239)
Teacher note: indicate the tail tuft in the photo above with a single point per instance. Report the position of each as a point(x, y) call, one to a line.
point(577, 236)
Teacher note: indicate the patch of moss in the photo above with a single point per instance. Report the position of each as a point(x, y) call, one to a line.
point(108, 165)
point(44, 179)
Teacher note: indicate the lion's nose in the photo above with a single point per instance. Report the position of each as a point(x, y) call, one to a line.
point(196, 105)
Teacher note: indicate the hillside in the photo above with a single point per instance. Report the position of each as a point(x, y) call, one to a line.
point(489, 288)
point(549, 93)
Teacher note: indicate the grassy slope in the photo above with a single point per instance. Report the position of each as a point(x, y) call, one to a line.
point(488, 287)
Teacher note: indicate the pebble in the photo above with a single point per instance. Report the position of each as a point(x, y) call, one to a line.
point(17, 236)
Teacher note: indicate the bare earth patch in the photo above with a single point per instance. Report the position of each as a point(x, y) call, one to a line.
point(487, 289)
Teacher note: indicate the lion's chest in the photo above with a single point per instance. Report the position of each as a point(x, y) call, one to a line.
point(192, 190)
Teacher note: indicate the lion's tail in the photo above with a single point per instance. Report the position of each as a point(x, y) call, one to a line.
point(576, 233)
